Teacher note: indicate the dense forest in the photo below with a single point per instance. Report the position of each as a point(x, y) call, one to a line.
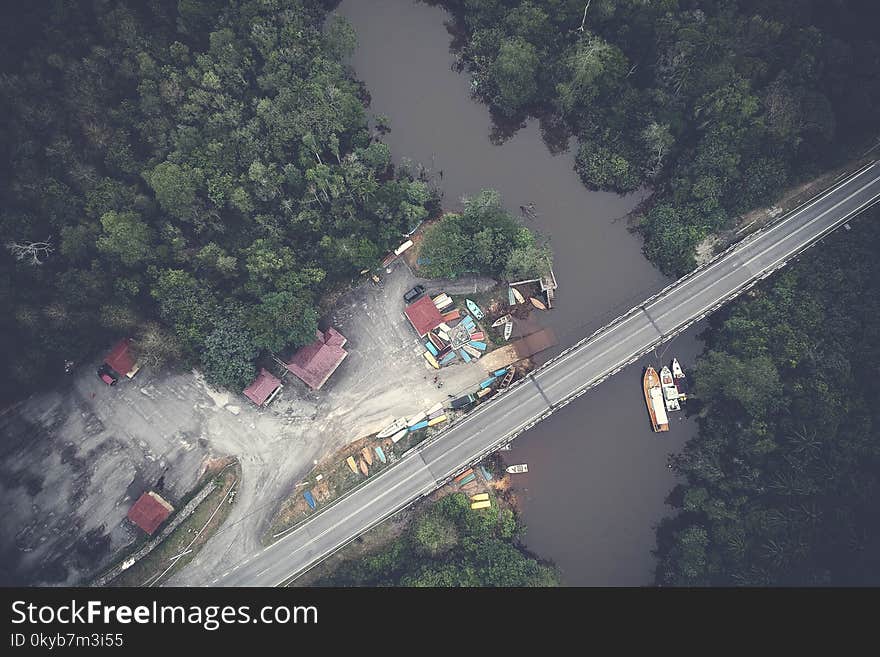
point(448, 544)
point(716, 104)
point(783, 481)
point(195, 174)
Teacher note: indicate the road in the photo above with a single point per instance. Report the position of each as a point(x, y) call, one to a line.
point(493, 424)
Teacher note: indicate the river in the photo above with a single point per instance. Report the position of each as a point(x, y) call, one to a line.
point(598, 475)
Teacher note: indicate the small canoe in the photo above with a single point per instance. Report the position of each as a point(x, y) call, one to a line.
point(537, 303)
point(480, 497)
point(392, 428)
point(463, 475)
point(476, 344)
point(436, 341)
point(448, 358)
point(485, 391)
point(465, 356)
point(310, 500)
point(440, 298)
point(519, 298)
point(485, 472)
point(508, 329)
point(443, 305)
point(368, 455)
point(472, 351)
point(468, 321)
point(487, 382)
point(381, 454)
point(400, 434)
point(478, 336)
point(352, 464)
point(430, 347)
point(500, 372)
point(435, 414)
point(468, 479)
point(518, 468)
point(451, 315)
point(436, 407)
point(364, 468)
point(437, 420)
point(415, 419)
point(501, 320)
point(443, 335)
point(419, 425)
point(443, 327)
point(431, 360)
point(474, 308)
point(485, 504)
point(510, 299)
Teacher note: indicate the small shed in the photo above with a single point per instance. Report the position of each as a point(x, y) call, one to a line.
point(150, 511)
point(423, 315)
point(314, 363)
point(121, 359)
point(264, 388)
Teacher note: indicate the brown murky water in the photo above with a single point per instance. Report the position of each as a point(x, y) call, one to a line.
point(597, 474)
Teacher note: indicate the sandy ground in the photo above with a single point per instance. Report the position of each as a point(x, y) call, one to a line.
point(73, 461)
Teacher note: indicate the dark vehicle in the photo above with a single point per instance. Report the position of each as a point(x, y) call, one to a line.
point(461, 402)
point(107, 375)
point(414, 293)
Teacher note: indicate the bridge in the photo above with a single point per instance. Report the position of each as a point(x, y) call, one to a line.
point(569, 375)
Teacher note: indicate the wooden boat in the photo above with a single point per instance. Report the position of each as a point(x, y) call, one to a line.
point(435, 414)
point(654, 400)
point(443, 305)
point(442, 328)
point(431, 360)
point(519, 298)
point(508, 329)
point(510, 299)
point(507, 379)
point(400, 434)
point(485, 391)
point(352, 464)
point(518, 468)
point(415, 419)
point(501, 320)
point(381, 454)
point(463, 475)
point(476, 344)
point(478, 336)
point(469, 322)
point(480, 497)
point(392, 428)
point(430, 347)
point(419, 425)
point(436, 341)
point(473, 351)
point(436, 407)
point(485, 504)
point(468, 479)
point(368, 455)
point(310, 500)
point(451, 316)
point(465, 356)
point(485, 472)
point(487, 382)
point(364, 468)
point(448, 358)
point(537, 303)
point(474, 308)
point(437, 420)
point(440, 299)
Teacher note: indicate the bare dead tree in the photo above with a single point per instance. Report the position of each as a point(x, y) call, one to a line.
point(584, 20)
point(34, 253)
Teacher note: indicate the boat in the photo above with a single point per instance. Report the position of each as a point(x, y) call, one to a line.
point(487, 382)
point(463, 475)
point(479, 335)
point(392, 428)
point(510, 300)
point(485, 504)
point(654, 400)
point(517, 296)
point(508, 378)
point(518, 468)
point(364, 468)
point(442, 328)
point(480, 497)
point(473, 351)
point(468, 479)
point(437, 420)
point(436, 341)
point(419, 425)
point(431, 416)
point(469, 322)
point(400, 434)
point(368, 455)
point(443, 305)
point(430, 347)
point(501, 320)
point(415, 419)
point(440, 299)
point(482, 393)
point(465, 356)
point(500, 372)
point(352, 464)
point(448, 358)
point(477, 344)
point(670, 392)
point(537, 303)
point(485, 472)
point(436, 407)
point(680, 381)
point(431, 360)
point(677, 372)
point(474, 308)
point(451, 316)
point(310, 500)
point(381, 454)
point(508, 329)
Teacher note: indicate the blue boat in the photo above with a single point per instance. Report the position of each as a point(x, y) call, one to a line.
point(486, 474)
point(381, 454)
point(465, 356)
point(418, 425)
point(500, 372)
point(510, 300)
point(448, 358)
point(309, 498)
point(474, 308)
point(431, 348)
point(468, 321)
point(476, 344)
point(487, 382)
point(467, 479)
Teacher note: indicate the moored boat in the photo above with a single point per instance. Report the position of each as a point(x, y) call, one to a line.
point(392, 428)
point(483, 392)
point(479, 335)
point(437, 420)
point(519, 298)
point(501, 320)
point(431, 360)
point(415, 419)
point(677, 372)
point(364, 468)
point(478, 345)
point(654, 400)
point(463, 475)
point(351, 464)
point(474, 308)
point(485, 504)
point(518, 468)
point(400, 434)
point(510, 298)
point(465, 356)
point(670, 392)
point(419, 425)
point(380, 453)
point(479, 497)
point(508, 329)
point(468, 479)
point(436, 407)
point(368, 455)
point(448, 358)
point(537, 303)
point(473, 351)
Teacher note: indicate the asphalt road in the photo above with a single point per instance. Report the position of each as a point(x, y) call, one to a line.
point(492, 424)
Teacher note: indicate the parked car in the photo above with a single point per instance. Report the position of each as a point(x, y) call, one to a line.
point(414, 293)
point(107, 375)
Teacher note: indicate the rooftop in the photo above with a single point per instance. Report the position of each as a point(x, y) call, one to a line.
point(423, 315)
point(315, 363)
point(149, 511)
point(263, 388)
point(120, 357)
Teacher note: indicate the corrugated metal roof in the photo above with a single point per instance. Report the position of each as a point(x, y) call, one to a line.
point(423, 315)
point(314, 363)
point(149, 511)
point(262, 388)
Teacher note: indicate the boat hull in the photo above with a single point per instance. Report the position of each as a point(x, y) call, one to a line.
point(654, 400)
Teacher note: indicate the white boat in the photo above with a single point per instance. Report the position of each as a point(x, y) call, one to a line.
point(517, 296)
point(392, 428)
point(415, 419)
point(436, 407)
point(508, 329)
point(400, 434)
point(677, 372)
point(518, 468)
point(501, 320)
point(666, 377)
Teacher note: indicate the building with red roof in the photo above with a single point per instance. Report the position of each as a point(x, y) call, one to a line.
point(121, 359)
point(264, 388)
point(423, 315)
point(315, 363)
point(150, 511)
